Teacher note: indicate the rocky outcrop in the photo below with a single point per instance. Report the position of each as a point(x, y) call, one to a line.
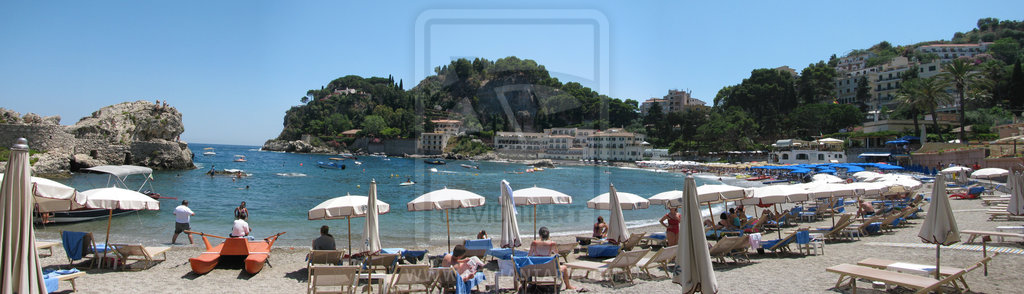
point(136, 133)
point(297, 146)
point(545, 163)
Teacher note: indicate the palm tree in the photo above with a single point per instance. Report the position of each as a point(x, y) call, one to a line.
point(959, 74)
point(910, 102)
point(926, 94)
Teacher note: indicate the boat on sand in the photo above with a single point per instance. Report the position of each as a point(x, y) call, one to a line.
point(255, 253)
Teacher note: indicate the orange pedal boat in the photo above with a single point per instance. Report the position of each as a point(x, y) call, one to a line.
point(256, 253)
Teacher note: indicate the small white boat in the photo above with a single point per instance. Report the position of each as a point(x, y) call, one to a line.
point(208, 151)
point(240, 158)
point(409, 183)
point(358, 162)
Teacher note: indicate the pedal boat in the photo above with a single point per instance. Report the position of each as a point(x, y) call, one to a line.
point(256, 253)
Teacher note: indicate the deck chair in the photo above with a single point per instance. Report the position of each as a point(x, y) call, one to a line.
point(410, 275)
point(478, 247)
point(779, 245)
point(328, 257)
point(895, 220)
point(141, 253)
point(340, 279)
point(944, 271)
point(863, 228)
point(623, 262)
point(659, 260)
point(780, 220)
point(48, 245)
point(445, 278)
point(386, 262)
point(545, 274)
point(849, 274)
point(565, 249)
point(634, 239)
point(836, 232)
point(732, 247)
point(79, 245)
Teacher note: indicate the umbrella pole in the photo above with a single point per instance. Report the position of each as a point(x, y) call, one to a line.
point(984, 253)
point(448, 225)
point(534, 223)
point(349, 220)
point(937, 261)
point(832, 201)
point(107, 240)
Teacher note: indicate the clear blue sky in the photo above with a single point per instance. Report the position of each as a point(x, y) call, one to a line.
point(233, 67)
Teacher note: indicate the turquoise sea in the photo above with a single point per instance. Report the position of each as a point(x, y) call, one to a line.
point(282, 187)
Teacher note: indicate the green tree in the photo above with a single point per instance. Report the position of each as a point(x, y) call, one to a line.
point(1015, 91)
point(816, 83)
point(959, 74)
point(929, 93)
point(863, 94)
point(1005, 49)
point(374, 125)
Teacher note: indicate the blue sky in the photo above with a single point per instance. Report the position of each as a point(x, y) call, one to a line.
point(233, 67)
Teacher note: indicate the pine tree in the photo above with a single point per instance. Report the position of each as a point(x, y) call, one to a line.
point(1016, 89)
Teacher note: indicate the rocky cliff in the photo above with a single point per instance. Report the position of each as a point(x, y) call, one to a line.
point(137, 133)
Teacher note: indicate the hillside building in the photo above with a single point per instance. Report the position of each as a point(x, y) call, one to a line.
point(615, 145)
point(433, 143)
point(448, 126)
point(948, 52)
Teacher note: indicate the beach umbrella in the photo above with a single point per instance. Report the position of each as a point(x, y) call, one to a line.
point(371, 232)
point(955, 169)
point(509, 223)
point(1016, 184)
point(827, 178)
point(667, 197)
point(627, 201)
point(19, 263)
point(446, 199)
point(988, 173)
point(346, 207)
point(535, 196)
point(51, 196)
point(939, 225)
point(616, 222)
point(117, 198)
point(697, 274)
point(708, 194)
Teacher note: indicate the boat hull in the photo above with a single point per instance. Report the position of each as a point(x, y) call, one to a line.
point(83, 215)
point(204, 263)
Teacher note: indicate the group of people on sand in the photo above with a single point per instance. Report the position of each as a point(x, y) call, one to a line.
point(183, 217)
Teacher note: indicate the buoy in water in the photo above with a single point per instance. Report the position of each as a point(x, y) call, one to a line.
point(357, 186)
point(300, 164)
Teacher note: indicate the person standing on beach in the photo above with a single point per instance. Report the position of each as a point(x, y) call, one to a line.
point(182, 217)
point(672, 226)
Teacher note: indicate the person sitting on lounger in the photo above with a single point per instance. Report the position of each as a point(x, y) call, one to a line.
point(866, 208)
point(481, 235)
point(466, 267)
point(325, 241)
point(600, 228)
point(546, 247)
point(723, 223)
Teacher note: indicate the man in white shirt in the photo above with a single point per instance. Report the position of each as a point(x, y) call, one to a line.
point(240, 228)
point(182, 216)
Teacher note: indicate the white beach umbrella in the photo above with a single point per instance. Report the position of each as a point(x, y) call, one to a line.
point(697, 273)
point(705, 194)
point(939, 226)
point(509, 223)
point(866, 176)
point(371, 232)
point(446, 199)
point(627, 201)
point(955, 169)
point(534, 196)
point(827, 178)
point(775, 194)
point(346, 207)
point(988, 173)
point(616, 222)
point(117, 198)
point(19, 264)
point(667, 197)
point(1016, 184)
point(869, 189)
point(51, 196)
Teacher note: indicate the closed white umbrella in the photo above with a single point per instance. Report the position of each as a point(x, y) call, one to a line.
point(627, 201)
point(535, 196)
point(19, 264)
point(52, 196)
point(117, 198)
point(1016, 183)
point(346, 207)
point(697, 273)
point(371, 232)
point(939, 226)
point(616, 222)
point(988, 173)
point(509, 223)
point(446, 199)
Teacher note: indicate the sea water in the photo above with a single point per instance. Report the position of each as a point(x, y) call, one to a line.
point(280, 188)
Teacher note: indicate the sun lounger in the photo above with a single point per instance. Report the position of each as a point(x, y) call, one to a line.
point(40, 245)
point(836, 232)
point(660, 259)
point(634, 239)
point(537, 270)
point(849, 273)
point(732, 247)
point(975, 234)
point(139, 252)
point(867, 227)
point(1002, 214)
point(386, 262)
point(79, 245)
point(623, 262)
point(993, 200)
point(779, 245)
point(342, 278)
point(326, 257)
point(409, 275)
point(478, 247)
point(565, 249)
point(944, 271)
point(52, 279)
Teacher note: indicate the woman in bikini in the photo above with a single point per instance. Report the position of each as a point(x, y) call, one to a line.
point(241, 212)
point(600, 228)
point(672, 226)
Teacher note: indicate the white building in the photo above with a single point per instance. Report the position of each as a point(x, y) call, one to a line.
point(447, 126)
point(520, 142)
point(433, 143)
point(948, 52)
point(808, 152)
point(615, 145)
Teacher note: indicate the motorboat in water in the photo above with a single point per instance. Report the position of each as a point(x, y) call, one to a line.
point(433, 161)
point(470, 166)
point(407, 183)
point(255, 253)
point(240, 158)
point(208, 151)
point(330, 165)
point(118, 176)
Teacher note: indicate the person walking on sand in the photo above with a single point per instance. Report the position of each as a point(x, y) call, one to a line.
point(182, 217)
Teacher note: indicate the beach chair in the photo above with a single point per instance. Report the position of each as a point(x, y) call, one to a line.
point(623, 262)
point(40, 245)
point(409, 275)
point(849, 274)
point(65, 275)
point(543, 274)
point(872, 224)
point(445, 278)
point(386, 262)
point(327, 257)
point(565, 249)
point(944, 271)
point(660, 259)
point(732, 247)
point(781, 219)
point(804, 241)
point(338, 279)
point(80, 245)
point(477, 247)
point(836, 232)
point(755, 225)
point(634, 239)
point(141, 253)
point(779, 245)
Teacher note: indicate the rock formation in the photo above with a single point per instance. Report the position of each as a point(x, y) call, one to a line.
point(297, 146)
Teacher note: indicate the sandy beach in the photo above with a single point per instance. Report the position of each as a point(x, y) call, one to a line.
point(767, 273)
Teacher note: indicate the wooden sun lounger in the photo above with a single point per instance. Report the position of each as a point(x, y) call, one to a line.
point(623, 262)
point(849, 273)
point(139, 252)
point(71, 279)
point(46, 245)
point(975, 234)
point(944, 271)
point(996, 214)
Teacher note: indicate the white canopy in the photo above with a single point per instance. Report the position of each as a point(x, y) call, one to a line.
point(827, 178)
point(867, 176)
point(345, 207)
point(775, 194)
point(371, 231)
point(956, 169)
point(705, 194)
point(536, 195)
point(818, 190)
point(939, 226)
point(627, 201)
point(52, 196)
point(118, 198)
point(446, 199)
point(1016, 184)
point(121, 171)
point(697, 273)
point(990, 172)
point(870, 189)
point(509, 223)
point(617, 229)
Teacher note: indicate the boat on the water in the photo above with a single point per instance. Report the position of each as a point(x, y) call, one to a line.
point(330, 165)
point(470, 166)
point(407, 183)
point(254, 252)
point(433, 161)
point(118, 176)
point(240, 158)
point(208, 151)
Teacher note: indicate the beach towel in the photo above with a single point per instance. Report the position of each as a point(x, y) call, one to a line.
point(73, 244)
point(51, 277)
